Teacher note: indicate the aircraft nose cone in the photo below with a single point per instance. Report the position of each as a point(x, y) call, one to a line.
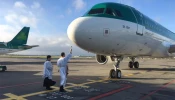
point(72, 30)
point(75, 30)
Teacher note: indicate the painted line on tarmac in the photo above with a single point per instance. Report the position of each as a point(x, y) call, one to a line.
point(162, 87)
point(10, 97)
point(72, 84)
point(58, 80)
point(134, 74)
point(13, 97)
point(95, 80)
point(42, 92)
point(111, 92)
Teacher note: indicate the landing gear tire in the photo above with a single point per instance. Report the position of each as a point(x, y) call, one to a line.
point(115, 74)
point(136, 64)
point(130, 64)
point(118, 74)
point(112, 73)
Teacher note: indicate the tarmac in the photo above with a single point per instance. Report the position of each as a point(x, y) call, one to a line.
point(88, 80)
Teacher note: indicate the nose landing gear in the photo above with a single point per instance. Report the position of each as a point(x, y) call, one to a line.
point(116, 73)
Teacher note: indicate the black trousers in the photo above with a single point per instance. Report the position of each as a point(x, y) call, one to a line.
point(48, 82)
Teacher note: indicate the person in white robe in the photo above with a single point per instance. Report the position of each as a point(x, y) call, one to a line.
point(47, 74)
point(63, 69)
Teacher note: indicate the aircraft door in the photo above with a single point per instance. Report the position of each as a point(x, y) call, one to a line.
point(140, 25)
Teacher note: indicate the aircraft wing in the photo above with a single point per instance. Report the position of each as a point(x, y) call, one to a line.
point(28, 46)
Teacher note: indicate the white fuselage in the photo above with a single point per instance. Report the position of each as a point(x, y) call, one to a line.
point(5, 50)
point(120, 38)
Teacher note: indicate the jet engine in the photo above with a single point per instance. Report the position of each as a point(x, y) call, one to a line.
point(102, 59)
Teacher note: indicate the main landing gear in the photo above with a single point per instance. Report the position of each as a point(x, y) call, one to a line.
point(116, 73)
point(133, 63)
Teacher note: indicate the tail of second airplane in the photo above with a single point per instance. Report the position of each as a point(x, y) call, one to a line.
point(21, 37)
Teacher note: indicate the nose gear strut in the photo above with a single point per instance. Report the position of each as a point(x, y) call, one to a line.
point(116, 73)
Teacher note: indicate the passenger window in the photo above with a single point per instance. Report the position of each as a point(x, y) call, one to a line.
point(96, 11)
point(118, 13)
point(110, 12)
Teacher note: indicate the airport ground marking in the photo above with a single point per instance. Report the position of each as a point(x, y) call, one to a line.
point(111, 92)
point(68, 90)
point(48, 91)
point(12, 97)
point(95, 81)
point(78, 85)
point(129, 75)
point(162, 87)
point(56, 88)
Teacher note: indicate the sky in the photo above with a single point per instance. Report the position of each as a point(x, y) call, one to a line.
point(49, 19)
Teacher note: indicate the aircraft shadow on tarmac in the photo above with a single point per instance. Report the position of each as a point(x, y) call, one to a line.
point(124, 78)
point(168, 66)
point(153, 69)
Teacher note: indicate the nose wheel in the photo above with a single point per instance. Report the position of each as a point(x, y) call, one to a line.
point(116, 72)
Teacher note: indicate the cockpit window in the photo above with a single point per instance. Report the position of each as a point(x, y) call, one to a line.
point(118, 13)
point(96, 11)
point(110, 12)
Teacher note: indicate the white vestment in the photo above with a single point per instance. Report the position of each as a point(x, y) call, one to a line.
point(62, 64)
point(48, 68)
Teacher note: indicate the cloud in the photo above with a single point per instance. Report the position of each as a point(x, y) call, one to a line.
point(79, 4)
point(49, 45)
point(8, 32)
point(19, 4)
point(25, 20)
point(53, 44)
point(23, 17)
point(35, 5)
point(11, 18)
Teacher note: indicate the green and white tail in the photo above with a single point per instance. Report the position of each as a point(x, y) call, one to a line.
point(21, 37)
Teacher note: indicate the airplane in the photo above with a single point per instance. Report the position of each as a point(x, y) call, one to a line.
point(18, 43)
point(113, 31)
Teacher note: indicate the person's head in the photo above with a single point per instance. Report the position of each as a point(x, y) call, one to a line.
point(62, 54)
point(49, 58)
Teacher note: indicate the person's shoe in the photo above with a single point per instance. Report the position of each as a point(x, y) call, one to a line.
point(63, 90)
point(49, 88)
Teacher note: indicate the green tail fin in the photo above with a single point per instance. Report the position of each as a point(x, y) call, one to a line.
point(21, 37)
